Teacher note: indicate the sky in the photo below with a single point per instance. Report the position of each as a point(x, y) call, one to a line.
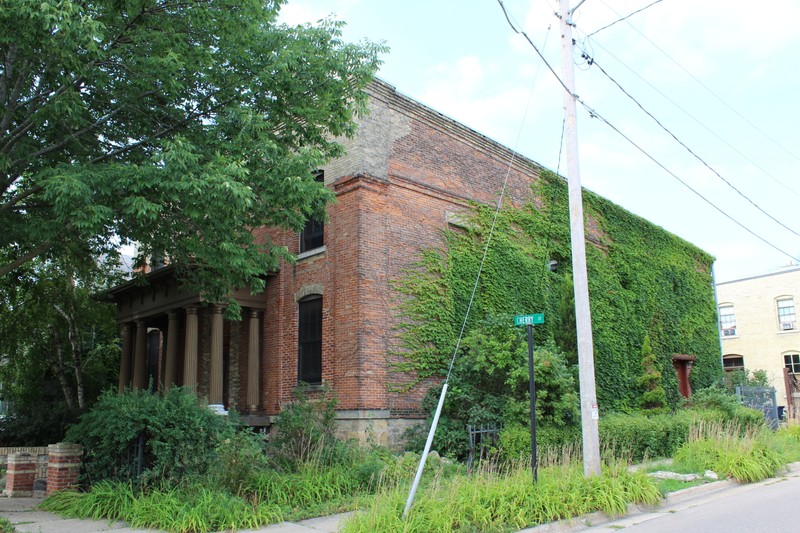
point(719, 76)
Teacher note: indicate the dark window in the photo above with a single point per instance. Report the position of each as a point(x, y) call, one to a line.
point(733, 362)
point(313, 235)
point(309, 351)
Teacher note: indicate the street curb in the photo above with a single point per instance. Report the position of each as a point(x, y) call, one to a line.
point(581, 523)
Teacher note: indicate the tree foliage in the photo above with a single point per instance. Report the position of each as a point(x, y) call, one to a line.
point(178, 126)
point(654, 397)
point(59, 346)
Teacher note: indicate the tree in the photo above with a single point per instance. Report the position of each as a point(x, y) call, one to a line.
point(654, 397)
point(180, 126)
point(59, 347)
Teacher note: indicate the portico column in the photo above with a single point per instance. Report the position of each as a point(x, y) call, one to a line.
point(172, 349)
point(140, 349)
point(190, 350)
point(216, 370)
point(125, 359)
point(253, 357)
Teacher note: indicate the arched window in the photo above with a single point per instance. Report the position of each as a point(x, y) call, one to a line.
point(732, 362)
point(313, 234)
point(309, 340)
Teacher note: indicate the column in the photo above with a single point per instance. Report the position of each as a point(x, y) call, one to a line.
point(63, 466)
point(20, 475)
point(172, 349)
point(190, 350)
point(125, 358)
point(216, 370)
point(139, 356)
point(253, 359)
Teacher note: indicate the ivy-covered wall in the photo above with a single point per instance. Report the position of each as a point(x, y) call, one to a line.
point(642, 281)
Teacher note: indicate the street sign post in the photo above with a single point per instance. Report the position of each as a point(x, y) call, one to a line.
point(529, 321)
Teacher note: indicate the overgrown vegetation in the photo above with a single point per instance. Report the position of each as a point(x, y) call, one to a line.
point(646, 284)
point(306, 471)
point(59, 346)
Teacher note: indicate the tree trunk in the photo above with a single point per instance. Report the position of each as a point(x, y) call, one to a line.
point(56, 359)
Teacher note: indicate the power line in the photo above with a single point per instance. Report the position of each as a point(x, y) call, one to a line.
point(593, 62)
point(704, 86)
point(698, 122)
point(623, 18)
point(594, 114)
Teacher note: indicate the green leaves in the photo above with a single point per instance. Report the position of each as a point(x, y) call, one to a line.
point(179, 127)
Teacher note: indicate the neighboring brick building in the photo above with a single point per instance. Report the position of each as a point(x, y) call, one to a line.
point(759, 326)
point(328, 318)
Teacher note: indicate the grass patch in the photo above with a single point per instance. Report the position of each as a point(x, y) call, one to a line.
point(501, 501)
point(665, 486)
point(6, 526)
point(746, 457)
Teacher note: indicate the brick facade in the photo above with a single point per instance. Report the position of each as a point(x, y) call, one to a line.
point(408, 172)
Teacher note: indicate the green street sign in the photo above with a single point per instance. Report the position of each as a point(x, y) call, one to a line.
point(526, 320)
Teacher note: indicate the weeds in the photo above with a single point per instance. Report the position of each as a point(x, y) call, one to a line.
point(745, 457)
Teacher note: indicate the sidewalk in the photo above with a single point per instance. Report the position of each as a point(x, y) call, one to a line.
point(26, 519)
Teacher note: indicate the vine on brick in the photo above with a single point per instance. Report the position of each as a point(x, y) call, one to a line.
point(643, 281)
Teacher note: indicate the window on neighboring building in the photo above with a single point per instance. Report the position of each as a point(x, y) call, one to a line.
point(727, 321)
point(309, 350)
point(786, 314)
point(733, 362)
point(792, 362)
point(313, 234)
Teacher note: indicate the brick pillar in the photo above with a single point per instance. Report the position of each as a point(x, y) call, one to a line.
point(20, 475)
point(63, 466)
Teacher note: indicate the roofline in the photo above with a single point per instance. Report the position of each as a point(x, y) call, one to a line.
point(776, 273)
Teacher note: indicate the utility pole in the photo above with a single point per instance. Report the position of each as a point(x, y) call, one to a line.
point(589, 412)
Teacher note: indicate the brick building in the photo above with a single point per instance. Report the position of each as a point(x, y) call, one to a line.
point(328, 318)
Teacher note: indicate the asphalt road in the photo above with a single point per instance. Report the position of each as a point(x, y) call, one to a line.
point(772, 506)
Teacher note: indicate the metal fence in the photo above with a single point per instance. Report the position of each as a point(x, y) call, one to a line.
point(483, 441)
point(761, 398)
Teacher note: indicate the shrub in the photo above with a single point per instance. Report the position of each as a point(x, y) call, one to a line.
point(180, 436)
point(639, 436)
point(306, 432)
point(725, 404)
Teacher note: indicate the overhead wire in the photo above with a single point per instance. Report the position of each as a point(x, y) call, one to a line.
point(698, 122)
point(708, 89)
point(694, 154)
point(626, 17)
point(594, 114)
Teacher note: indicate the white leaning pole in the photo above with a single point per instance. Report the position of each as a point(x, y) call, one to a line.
point(583, 320)
point(425, 453)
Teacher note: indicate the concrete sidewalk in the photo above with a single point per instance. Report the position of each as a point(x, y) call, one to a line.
point(26, 518)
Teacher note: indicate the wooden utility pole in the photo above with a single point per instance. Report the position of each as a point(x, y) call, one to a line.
point(589, 412)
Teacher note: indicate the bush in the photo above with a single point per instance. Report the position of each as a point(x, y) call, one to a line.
point(640, 436)
point(181, 437)
point(725, 404)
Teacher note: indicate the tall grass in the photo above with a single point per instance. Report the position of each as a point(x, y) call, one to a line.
point(182, 509)
point(496, 500)
point(746, 456)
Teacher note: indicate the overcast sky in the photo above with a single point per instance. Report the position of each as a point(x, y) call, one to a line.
point(721, 76)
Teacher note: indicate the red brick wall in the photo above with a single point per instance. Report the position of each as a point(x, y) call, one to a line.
point(378, 226)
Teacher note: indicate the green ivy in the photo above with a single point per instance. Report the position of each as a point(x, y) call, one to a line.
point(643, 281)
